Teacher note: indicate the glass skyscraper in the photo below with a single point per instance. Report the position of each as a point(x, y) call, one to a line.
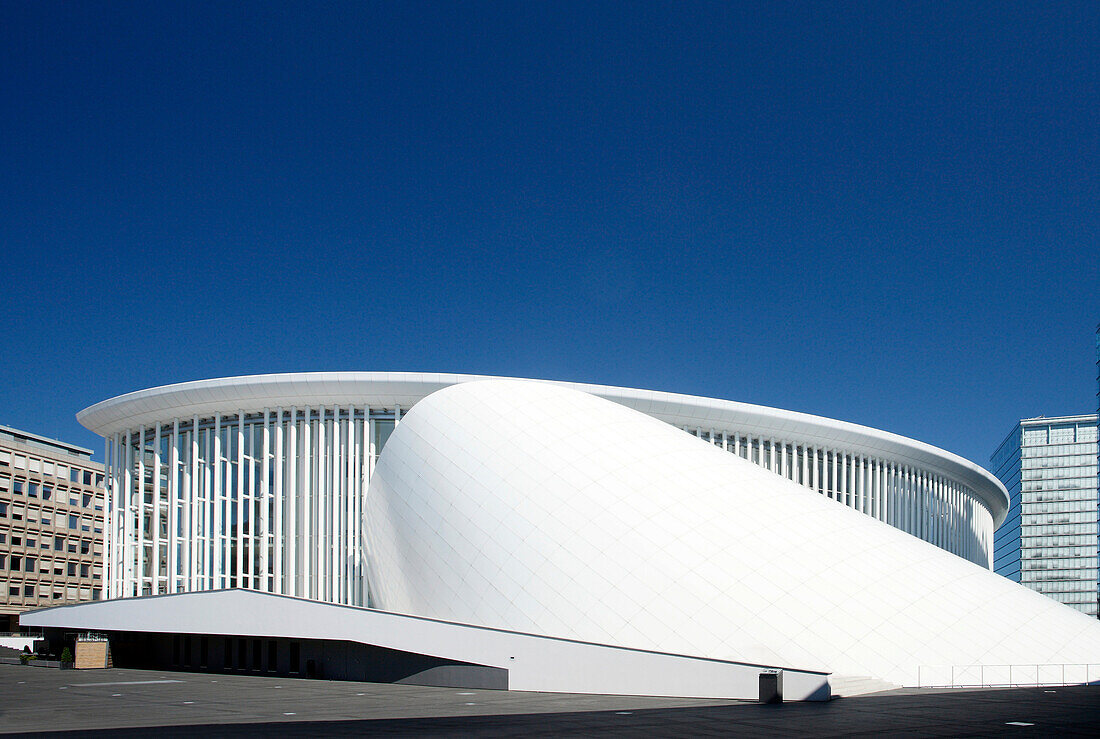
point(1049, 540)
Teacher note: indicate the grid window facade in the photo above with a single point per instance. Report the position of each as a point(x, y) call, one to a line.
point(51, 525)
point(1049, 540)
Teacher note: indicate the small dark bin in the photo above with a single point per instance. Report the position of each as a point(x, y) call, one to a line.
point(771, 686)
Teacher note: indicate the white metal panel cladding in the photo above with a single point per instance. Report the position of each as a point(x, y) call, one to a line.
point(518, 506)
point(275, 504)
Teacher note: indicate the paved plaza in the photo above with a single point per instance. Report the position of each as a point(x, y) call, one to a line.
point(139, 703)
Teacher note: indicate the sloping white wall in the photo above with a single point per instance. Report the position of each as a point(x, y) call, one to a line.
point(533, 662)
point(542, 509)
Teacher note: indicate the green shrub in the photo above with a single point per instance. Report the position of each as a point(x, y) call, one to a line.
point(66, 655)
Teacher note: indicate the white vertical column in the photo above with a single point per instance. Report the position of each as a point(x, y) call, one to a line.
point(861, 482)
point(131, 520)
point(836, 471)
point(239, 533)
point(217, 552)
point(927, 507)
point(155, 586)
point(905, 510)
point(140, 490)
point(923, 511)
point(887, 509)
point(129, 526)
point(870, 499)
point(122, 495)
point(858, 491)
point(265, 506)
point(932, 506)
point(851, 477)
point(352, 525)
point(322, 541)
point(338, 525)
point(941, 510)
point(960, 518)
point(279, 539)
point(843, 479)
point(912, 502)
point(867, 501)
point(332, 550)
point(910, 506)
point(881, 512)
point(373, 452)
point(110, 514)
point(952, 516)
point(173, 501)
point(193, 518)
point(943, 505)
point(293, 496)
point(105, 539)
point(890, 503)
point(306, 541)
point(357, 496)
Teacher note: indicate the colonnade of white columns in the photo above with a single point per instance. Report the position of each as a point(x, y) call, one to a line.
point(932, 507)
point(275, 503)
point(272, 504)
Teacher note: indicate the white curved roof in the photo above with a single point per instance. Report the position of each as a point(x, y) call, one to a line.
point(386, 389)
point(516, 505)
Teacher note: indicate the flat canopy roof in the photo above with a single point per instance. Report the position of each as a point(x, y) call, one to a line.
point(227, 395)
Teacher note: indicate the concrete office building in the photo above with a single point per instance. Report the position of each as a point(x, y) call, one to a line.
point(51, 524)
point(1049, 540)
point(553, 536)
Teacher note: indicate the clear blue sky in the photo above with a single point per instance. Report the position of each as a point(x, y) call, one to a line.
point(887, 213)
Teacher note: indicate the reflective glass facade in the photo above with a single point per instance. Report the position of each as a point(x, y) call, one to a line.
point(1049, 540)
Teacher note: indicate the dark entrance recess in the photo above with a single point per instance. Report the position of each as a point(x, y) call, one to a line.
point(316, 658)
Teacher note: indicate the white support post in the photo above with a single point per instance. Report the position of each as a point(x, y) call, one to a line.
point(265, 506)
point(141, 512)
point(280, 533)
point(173, 512)
point(217, 551)
point(129, 554)
point(293, 496)
point(373, 456)
point(239, 534)
point(356, 498)
point(155, 564)
point(323, 543)
point(193, 517)
point(349, 508)
point(305, 485)
point(105, 572)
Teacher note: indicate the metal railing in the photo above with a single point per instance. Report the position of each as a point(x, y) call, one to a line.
point(1006, 676)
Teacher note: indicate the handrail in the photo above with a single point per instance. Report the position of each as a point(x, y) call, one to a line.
point(1006, 676)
